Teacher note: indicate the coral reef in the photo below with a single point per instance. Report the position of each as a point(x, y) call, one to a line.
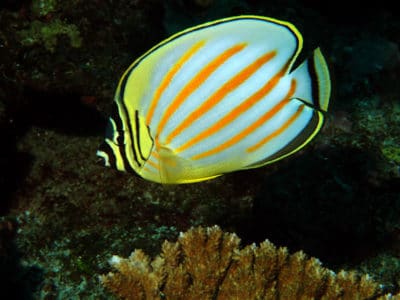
point(42, 8)
point(206, 263)
point(47, 33)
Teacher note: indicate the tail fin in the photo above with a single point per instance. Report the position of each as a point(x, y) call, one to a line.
point(314, 85)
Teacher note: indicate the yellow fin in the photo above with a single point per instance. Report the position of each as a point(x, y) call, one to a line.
point(175, 169)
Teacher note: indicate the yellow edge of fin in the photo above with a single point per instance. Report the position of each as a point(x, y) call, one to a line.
point(177, 166)
point(291, 27)
point(316, 130)
point(193, 180)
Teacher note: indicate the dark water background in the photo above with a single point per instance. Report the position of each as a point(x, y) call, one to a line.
point(63, 215)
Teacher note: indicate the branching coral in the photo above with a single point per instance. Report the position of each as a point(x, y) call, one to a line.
point(206, 263)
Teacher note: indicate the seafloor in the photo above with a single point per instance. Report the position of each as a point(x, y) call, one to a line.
point(63, 215)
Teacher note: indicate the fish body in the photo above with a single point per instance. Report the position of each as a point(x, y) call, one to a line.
point(216, 98)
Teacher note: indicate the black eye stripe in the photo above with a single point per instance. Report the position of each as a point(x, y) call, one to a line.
point(104, 147)
point(120, 139)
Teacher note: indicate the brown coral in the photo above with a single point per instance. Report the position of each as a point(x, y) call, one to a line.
point(206, 263)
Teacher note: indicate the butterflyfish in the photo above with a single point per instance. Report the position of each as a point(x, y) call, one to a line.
point(216, 98)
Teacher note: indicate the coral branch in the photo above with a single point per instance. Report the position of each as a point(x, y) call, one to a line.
point(206, 263)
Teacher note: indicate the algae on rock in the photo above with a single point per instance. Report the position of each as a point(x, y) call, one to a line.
point(41, 8)
point(48, 33)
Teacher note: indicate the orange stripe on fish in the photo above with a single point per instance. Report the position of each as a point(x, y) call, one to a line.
point(221, 93)
point(277, 132)
point(237, 111)
point(168, 77)
point(152, 163)
point(254, 126)
point(197, 81)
